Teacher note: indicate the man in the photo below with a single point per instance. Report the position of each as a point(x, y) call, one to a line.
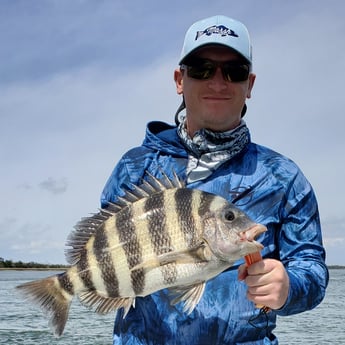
point(210, 148)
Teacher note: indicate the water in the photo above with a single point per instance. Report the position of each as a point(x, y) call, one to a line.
point(322, 325)
point(22, 324)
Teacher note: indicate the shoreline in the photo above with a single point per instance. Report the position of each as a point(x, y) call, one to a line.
point(330, 267)
point(33, 268)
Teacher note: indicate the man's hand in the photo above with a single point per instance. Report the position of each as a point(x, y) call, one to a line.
point(267, 281)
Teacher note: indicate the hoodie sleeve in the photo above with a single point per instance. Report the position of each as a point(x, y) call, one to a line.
point(114, 186)
point(129, 170)
point(301, 248)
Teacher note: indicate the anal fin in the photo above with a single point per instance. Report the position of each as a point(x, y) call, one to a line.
point(104, 305)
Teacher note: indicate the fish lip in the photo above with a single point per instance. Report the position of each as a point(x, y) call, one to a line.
point(251, 233)
point(244, 242)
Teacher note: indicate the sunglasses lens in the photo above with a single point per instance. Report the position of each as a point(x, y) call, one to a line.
point(235, 72)
point(203, 69)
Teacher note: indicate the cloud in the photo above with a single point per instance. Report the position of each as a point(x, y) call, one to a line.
point(7, 224)
point(54, 186)
point(68, 115)
point(36, 246)
point(334, 242)
point(30, 241)
point(25, 186)
point(334, 229)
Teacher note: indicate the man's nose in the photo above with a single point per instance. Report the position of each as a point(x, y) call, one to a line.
point(217, 82)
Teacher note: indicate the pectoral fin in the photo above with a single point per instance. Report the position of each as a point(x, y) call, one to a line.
point(190, 295)
point(198, 254)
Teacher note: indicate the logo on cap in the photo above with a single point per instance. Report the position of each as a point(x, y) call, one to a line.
point(216, 30)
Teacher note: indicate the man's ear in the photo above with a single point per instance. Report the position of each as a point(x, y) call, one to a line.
point(178, 77)
point(252, 78)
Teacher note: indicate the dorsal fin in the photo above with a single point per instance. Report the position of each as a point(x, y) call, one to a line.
point(165, 182)
point(88, 226)
point(82, 232)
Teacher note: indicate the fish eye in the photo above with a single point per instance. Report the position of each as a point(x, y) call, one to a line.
point(229, 215)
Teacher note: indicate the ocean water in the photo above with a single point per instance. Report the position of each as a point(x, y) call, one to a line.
point(20, 323)
point(23, 323)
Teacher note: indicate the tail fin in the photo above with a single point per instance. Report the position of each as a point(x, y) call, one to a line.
point(52, 298)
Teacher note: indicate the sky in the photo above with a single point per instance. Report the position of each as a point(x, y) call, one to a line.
point(80, 79)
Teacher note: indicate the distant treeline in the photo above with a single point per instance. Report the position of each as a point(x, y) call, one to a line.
point(19, 264)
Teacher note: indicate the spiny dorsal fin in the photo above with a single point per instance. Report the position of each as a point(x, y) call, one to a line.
point(165, 182)
point(84, 229)
point(88, 226)
point(145, 189)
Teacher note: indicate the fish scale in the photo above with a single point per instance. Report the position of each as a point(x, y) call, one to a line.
point(158, 235)
point(127, 231)
point(186, 203)
point(83, 268)
point(108, 276)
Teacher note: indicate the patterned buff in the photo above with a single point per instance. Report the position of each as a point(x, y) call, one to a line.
point(208, 150)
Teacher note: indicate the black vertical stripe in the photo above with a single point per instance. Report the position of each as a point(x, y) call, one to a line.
point(131, 245)
point(105, 262)
point(84, 270)
point(205, 203)
point(184, 210)
point(65, 283)
point(160, 237)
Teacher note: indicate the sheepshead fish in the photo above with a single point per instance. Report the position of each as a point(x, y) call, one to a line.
point(158, 235)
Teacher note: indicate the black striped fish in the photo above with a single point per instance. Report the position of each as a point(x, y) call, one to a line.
point(159, 235)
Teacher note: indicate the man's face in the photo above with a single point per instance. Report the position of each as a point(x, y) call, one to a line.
point(214, 103)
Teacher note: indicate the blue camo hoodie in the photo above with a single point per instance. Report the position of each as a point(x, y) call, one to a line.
point(272, 190)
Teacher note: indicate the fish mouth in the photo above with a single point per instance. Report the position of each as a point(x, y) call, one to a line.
point(252, 233)
point(237, 245)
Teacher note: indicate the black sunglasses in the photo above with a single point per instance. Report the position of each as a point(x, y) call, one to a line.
point(202, 69)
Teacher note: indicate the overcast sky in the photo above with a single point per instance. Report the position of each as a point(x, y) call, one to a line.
point(79, 80)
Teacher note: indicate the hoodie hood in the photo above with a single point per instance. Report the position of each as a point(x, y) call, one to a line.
point(163, 137)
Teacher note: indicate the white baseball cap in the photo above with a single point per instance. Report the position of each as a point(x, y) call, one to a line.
point(217, 30)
